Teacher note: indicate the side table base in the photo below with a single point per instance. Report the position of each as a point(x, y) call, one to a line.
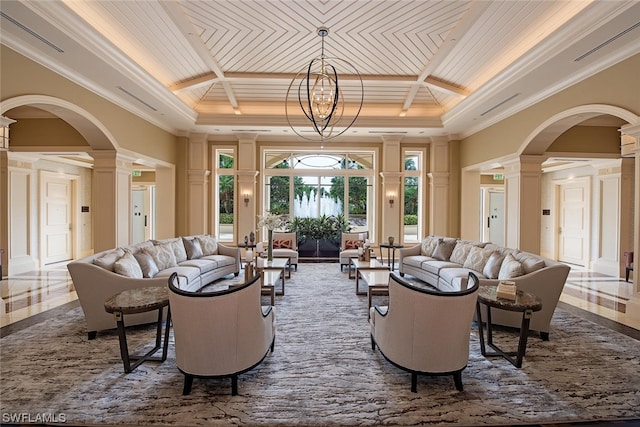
point(522, 341)
point(139, 359)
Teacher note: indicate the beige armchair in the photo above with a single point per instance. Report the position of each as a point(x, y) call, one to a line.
point(425, 331)
point(285, 245)
point(349, 246)
point(220, 334)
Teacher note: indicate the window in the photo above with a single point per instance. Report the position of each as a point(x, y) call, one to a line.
point(225, 201)
point(412, 196)
point(302, 184)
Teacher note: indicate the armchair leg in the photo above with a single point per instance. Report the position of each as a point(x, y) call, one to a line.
point(234, 385)
point(373, 343)
point(188, 382)
point(414, 382)
point(92, 335)
point(544, 336)
point(457, 379)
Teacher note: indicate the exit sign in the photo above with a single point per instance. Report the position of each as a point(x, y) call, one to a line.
point(498, 177)
point(136, 173)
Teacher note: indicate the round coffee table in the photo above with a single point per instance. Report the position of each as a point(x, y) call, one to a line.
point(525, 303)
point(141, 300)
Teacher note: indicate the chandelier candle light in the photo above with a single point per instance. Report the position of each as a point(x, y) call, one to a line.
point(321, 98)
point(270, 221)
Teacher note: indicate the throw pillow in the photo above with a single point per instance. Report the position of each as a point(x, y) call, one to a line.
point(282, 244)
point(477, 258)
point(108, 260)
point(510, 268)
point(209, 245)
point(492, 267)
point(460, 252)
point(128, 266)
point(443, 249)
point(429, 245)
point(193, 248)
point(163, 256)
point(177, 246)
point(147, 264)
point(531, 264)
point(351, 244)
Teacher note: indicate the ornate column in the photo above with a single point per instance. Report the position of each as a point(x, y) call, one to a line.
point(198, 185)
point(523, 189)
point(631, 146)
point(439, 175)
point(111, 199)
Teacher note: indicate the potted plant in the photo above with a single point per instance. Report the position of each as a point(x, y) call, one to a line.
point(319, 237)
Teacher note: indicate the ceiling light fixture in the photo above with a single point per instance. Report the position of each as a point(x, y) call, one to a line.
point(321, 98)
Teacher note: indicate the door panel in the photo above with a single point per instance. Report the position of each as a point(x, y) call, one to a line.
point(57, 193)
point(573, 222)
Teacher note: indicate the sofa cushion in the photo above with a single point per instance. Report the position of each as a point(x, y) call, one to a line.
point(460, 252)
point(477, 258)
point(416, 260)
point(205, 265)
point(222, 260)
point(176, 245)
point(108, 260)
point(137, 247)
point(147, 264)
point(502, 250)
point(510, 268)
point(162, 255)
point(429, 245)
point(443, 249)
point(191, 273)
point(455, 278)
point(192, 248)
point(492, 267)
point(209, 245)
point(128, 266)
point(435, 266)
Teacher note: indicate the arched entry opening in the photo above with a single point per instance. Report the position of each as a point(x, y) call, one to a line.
point(57, 145)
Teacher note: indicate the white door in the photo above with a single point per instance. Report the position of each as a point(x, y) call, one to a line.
point(57, 219)
point(139, 216)
point(496, 217)
point(573, 233)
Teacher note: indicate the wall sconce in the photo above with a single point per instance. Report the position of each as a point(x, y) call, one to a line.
point(392, 198)
point(246, 198)
point(4, 132)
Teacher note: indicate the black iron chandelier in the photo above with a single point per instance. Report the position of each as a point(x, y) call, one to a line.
point(320, 96)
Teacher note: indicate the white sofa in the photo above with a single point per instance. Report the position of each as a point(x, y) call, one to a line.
point(198, 261)
point(445, 263)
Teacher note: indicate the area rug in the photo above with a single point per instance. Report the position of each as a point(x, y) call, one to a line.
point(323, 372)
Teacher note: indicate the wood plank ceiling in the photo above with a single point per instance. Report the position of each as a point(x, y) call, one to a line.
point(424, 63)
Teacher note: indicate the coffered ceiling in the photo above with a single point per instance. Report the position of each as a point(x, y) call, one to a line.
point(221, 67)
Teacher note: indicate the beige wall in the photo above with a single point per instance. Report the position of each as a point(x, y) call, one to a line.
point(617, 85)
point(21, 76)
point(594, 139)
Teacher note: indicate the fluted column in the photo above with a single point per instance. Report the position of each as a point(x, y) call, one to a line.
point(247, 173)
point(392, 166)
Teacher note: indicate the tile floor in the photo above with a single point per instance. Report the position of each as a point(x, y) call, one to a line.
point(29, 294)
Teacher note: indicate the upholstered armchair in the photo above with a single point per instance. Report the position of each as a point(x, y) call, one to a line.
point(220, 334)
point(349, 246)
point(285, 245)
point(425, 331)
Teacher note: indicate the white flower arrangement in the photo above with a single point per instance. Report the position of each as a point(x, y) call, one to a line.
point(270, 221)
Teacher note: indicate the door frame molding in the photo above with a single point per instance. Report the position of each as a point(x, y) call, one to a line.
point(75, 211)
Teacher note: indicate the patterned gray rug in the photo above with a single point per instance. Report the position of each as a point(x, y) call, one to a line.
point(323, 372)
